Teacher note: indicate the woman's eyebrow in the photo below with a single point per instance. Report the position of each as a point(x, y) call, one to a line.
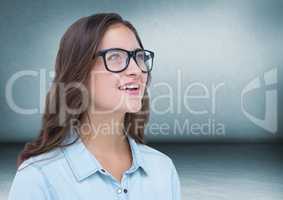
point(139, 48)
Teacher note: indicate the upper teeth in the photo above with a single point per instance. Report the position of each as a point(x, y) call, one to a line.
point(129, 86)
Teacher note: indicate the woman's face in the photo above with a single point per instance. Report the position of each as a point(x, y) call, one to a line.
point(106, 96)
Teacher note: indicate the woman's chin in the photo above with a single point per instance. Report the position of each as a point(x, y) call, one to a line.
point(134, 108)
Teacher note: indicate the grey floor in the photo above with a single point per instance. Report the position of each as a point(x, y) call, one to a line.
point(207, 171)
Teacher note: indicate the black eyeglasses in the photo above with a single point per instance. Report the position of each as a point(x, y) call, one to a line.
point(117, 59)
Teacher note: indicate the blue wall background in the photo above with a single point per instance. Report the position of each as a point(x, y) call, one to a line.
point(212, 51)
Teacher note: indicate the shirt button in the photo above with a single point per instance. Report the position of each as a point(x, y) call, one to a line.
point(119, 190)
point(125, 190)
point(103, 170)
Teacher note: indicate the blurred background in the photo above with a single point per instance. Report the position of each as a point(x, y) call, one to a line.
point(215, 93)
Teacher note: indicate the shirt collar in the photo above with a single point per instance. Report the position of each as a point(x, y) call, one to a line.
point(84, 164)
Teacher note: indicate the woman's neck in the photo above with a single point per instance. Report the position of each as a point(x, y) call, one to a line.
point(104, 132)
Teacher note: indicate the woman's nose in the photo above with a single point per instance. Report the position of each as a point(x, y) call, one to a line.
point(133, 68)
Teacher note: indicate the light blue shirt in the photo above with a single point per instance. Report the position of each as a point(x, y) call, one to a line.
point(73, 173)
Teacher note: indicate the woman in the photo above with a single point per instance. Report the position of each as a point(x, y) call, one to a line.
point(91, 144)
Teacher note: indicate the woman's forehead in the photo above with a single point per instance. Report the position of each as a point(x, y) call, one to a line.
point(119, 36)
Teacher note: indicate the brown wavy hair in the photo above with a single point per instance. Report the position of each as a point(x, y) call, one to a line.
point(74, 62)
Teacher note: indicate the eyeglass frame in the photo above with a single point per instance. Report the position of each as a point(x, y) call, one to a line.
point(131, 54)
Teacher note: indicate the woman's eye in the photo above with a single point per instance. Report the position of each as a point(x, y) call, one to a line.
point(114, 57)
point(140, 56)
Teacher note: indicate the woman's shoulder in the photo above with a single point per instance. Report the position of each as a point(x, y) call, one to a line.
point(30, 181)
point(163, 169)
point(41, 160)
point(153, 155)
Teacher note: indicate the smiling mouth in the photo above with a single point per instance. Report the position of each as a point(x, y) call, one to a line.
point(131, 89)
